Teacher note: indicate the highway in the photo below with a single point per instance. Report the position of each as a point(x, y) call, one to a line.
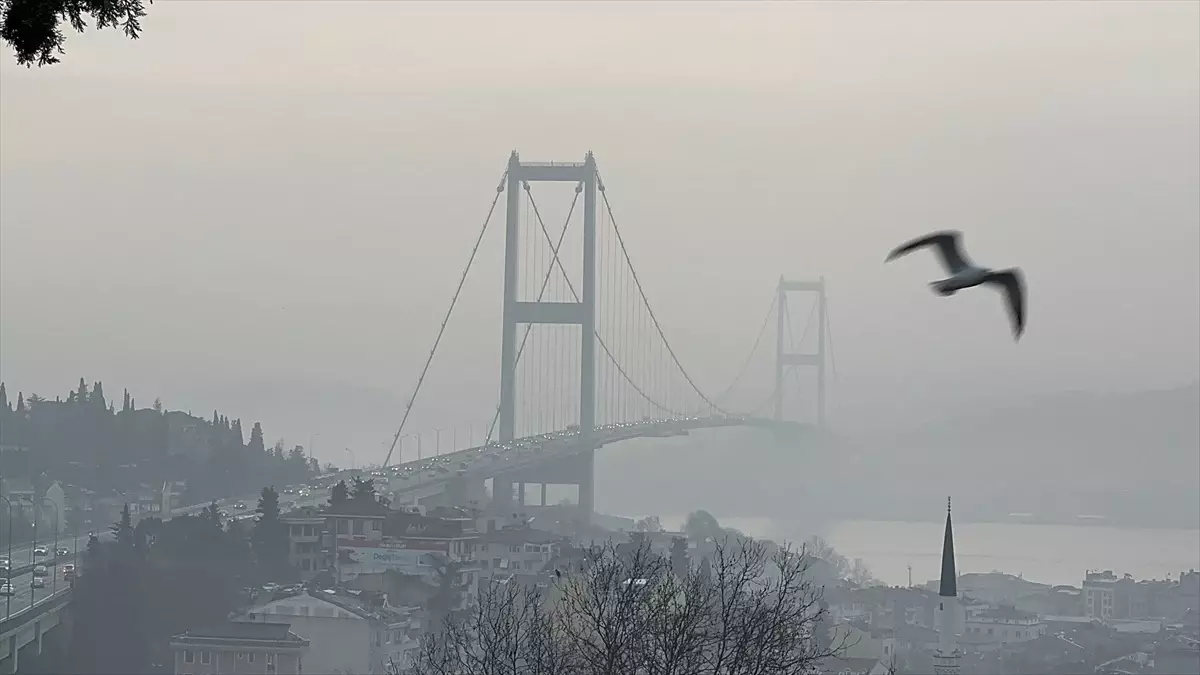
point(494, 458)
point(396, 481)
point(22, 556)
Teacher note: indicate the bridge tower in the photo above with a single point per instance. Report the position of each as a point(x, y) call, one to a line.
point(582, 313)
point(785, 359)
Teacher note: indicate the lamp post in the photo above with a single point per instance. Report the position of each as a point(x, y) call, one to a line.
point(8, 574)
point(54, 583)
point(32, 557)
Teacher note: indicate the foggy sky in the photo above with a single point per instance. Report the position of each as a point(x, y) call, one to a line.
point(258, 200)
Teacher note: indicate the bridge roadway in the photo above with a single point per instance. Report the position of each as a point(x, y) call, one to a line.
point(23, 562)
point(429, 475)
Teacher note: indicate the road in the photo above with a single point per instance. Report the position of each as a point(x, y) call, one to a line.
point(22, 583)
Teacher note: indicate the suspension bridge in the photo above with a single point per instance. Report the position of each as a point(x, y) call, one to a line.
point(584, 358)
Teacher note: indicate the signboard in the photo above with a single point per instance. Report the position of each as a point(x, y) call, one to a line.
point(410, 557)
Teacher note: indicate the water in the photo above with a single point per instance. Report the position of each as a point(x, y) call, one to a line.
point(1049, 554)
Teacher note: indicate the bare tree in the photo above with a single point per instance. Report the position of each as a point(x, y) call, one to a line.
point(624, 611)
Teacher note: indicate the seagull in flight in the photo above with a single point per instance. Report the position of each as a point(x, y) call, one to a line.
point(966, 274)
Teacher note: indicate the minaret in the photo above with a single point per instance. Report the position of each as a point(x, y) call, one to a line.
point(946, 660)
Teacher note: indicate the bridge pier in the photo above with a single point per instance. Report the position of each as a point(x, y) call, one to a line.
point(14, 652)
point(575, 469)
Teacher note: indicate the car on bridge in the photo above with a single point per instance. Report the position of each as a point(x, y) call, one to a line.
point(40, 552)
point(40, 571)
point(6, 589)
point(38, 582)
point(61, 551)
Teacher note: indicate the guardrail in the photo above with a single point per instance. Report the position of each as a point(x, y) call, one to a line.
point(47, 604)
point(48, 561)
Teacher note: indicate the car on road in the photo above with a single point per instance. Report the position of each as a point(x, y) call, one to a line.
point(61, 550)
point(7, 590)
point(68, 571)
point(40, 552)
point(38, 582)
point(40, 571)
point(240, 505)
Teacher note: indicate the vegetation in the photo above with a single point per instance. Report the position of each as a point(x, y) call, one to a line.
point(156, 579)
point(86, 441)
point(33, 28)
point(626, 612)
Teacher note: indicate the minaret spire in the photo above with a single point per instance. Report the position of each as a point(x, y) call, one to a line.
point(949, 585)
point(947, 658)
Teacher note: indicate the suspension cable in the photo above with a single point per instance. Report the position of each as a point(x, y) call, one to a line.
point(450, 310)
point(542, 291)
point(753, 350)
point(571, 287)
point(646, 301)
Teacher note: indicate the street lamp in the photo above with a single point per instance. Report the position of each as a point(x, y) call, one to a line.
point(353, 461)
point(8, 574)
point(438, 443)
point(54, 583)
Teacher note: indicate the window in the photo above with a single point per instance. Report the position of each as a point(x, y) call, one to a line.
point(343, 526)
point(358, 526)
point(189, 656)
point(206, 657)
point(250, 657)
point(376, 526)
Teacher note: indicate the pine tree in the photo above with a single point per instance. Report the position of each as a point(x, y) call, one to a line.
point(339, 496)
point(127, 404)
point(97, 397)
point(123, 531)
point(256, 446)
point(216, 423)
point(81, 396)
point(158, 406)
point(237, 432)
point(4, 398)
point(363, 491)
point(20, 409)
point(314, 466)
point(269, 540)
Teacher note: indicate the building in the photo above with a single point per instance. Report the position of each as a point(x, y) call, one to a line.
point(993, 627)
point(515, 550)
point(1099, 594)
point(239, 648)
point(305, 528)
point(56, 514)
point(346, 633)
point(948, 657)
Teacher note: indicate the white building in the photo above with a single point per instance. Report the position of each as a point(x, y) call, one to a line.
point(344, 635)
point(998, 626)
point(1099, 593)
point(515, 551)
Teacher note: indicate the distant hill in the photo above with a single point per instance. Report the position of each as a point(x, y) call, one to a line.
point(1133, 458)
point(1167, 419)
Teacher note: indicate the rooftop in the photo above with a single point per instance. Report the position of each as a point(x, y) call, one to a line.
point(239, 630)
point(522, 535)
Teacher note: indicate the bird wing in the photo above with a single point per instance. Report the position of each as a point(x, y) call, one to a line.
point(947, 243)
point(1013, 283)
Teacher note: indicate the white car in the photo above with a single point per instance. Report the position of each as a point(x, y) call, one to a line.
point(40, 551)
point(7, 590)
